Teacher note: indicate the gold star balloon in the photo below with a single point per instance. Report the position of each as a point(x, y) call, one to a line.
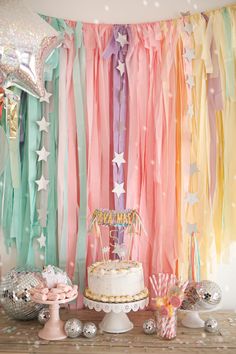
point(26, 41)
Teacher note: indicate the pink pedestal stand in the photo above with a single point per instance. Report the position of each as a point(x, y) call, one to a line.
point(54, 327)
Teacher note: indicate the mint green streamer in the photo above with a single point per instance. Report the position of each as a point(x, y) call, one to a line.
point(229, 60)
point(79, 82)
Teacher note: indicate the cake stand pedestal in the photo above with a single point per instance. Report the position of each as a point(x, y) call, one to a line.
point(116, 319)
point(54, 327)
point(192, 319)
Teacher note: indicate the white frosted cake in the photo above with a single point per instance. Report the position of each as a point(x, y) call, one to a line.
point(116, 281)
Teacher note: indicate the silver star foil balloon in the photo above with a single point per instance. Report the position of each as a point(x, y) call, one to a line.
point(26, 41)
point(43, 315)
point(149, 326)
point(211, 325)
point(73, 328)
point(15, 293)
point(89, 330)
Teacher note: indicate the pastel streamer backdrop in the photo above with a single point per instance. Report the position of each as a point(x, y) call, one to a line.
point(178, 142)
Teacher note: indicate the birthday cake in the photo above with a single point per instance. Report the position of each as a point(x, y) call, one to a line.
point(116, 281)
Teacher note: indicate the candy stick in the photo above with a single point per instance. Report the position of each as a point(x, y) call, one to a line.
point(155, 282)
point(153, 285)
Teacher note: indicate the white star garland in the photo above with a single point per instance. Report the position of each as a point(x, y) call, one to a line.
point(42, 154)
point(121, 67)
point(189, 54)
point(119, 159)
point(42, 183)
point(122, 39)
point(42, 240)
point(43, 125)
point(46, 97)
point(119, 189)
point(192, 198)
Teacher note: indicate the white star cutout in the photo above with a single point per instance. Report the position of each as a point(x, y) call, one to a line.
point(42, 154)
point(190, 81)
point(191, 228)
point(42, 216)
point(43, 125)
point(42, 183)
point(119, 189)
point(119, 159)
point(42, 240)
point(189, 54)
point(46, 97)
point(192, 198)
point(122, 39)
point(193, 169)
point(190, 112)
point(188, 28)
point(105, 249)
point(121, 67)
point(120, 250)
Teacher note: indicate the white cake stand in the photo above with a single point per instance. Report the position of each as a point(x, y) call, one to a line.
point(116, 319)
point(54, 327)
point(192, 318)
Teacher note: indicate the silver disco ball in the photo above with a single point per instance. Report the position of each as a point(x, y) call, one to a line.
point(209, 294)
point(14, 293)
point(203, 295)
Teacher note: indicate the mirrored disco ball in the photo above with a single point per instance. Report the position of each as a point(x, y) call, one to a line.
point(14, 293)
point(209, 294)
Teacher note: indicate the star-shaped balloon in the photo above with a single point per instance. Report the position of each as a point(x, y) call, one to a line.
point(189, 54)
point(120, 250)
point(42, 183)
point(26, 41)
point(119, 159)
point(122, 39)
point(121, 67)
point(42, 154)
point(119, 189)
point(43, 125)
point(42, 240)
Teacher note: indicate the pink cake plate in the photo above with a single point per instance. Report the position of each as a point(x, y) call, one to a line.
point(54, 327)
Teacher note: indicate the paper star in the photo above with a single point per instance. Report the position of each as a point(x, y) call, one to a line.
point(121, 67)
point(191, 228)
point(120, 250)
point(190, 81)
point(192, 198)
point(42, 216)
point(189, 54)
point(42, 240)
point(43, 125)
point(42, 183)
point(119, 159)
point(193, 169)
point(122, 39)
point(119, 189)
point(105, 249)
point(46, 97)
point(190, 112)
point(188, 28)
point(43, 154)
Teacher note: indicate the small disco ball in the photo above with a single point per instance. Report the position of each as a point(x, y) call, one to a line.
point(149, 326)
point(43, 315)
point(209, 294)
point(211, 325)
point(15, 296)
point(89, 330)
point(73, 328)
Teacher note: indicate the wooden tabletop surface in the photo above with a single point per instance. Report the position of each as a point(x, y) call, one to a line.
point(21, 337)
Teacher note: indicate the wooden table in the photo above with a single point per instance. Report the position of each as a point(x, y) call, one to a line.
point(21, 337)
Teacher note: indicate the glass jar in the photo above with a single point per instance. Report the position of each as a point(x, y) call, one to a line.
point(166, 325)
